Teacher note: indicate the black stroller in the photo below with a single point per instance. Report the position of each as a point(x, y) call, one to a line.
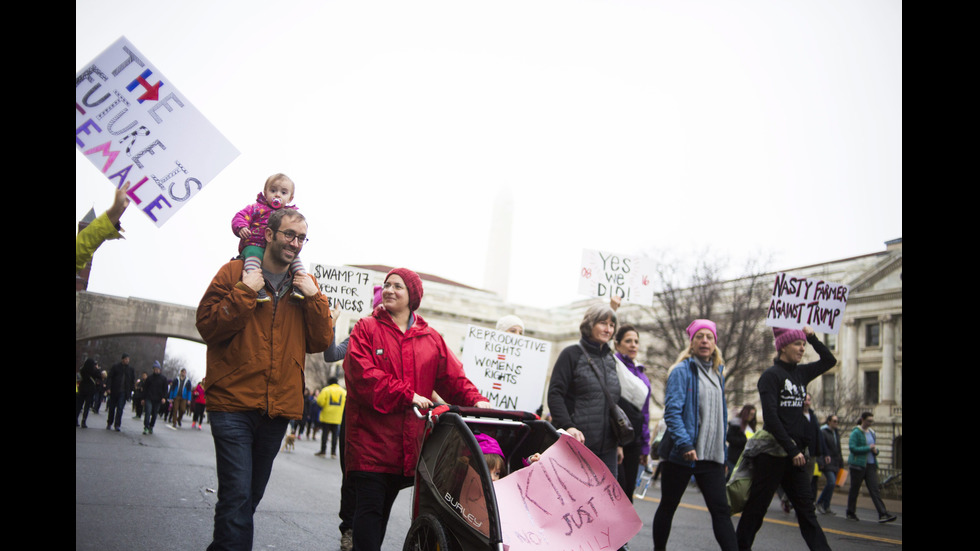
point(454, 507)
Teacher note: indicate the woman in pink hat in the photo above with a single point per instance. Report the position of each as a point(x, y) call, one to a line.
point(782, 391)
point(694, 445)
point(394, 361)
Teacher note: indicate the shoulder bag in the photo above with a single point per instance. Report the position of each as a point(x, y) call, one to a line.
point(621, 426)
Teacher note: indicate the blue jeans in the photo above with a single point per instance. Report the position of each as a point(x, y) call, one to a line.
point(117, 405)
point(828, 490)
point(150, 413)
point(245, 445)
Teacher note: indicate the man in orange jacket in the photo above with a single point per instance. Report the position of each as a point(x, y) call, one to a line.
point(255, 362)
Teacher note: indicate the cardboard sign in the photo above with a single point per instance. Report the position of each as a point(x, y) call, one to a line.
point(508, 369)
point(134, 125)
point(605, 275)
point(800, 301)
point(347, 288)
point(568, 500)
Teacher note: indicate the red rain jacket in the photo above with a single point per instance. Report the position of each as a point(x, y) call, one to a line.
point(384, 369)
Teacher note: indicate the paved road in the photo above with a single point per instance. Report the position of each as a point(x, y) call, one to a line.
point(157, 492)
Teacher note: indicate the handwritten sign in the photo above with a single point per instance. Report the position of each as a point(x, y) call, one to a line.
point(134, 125)
point(568, 500)
point(508, 369)
point(800, 301)
point(347, 288)
point(605, 275)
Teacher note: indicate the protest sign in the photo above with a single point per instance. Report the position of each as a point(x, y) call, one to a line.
point(605, 275)
point(134, 125)
point(347, 288)
point(568, 500)
point(508, 369)
point(800, 301)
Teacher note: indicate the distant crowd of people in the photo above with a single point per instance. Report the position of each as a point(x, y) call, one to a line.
point(151, 395)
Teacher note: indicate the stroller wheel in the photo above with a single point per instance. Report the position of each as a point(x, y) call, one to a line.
point(426, 534)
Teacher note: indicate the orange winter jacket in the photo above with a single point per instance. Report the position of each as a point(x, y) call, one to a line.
point(257, 353)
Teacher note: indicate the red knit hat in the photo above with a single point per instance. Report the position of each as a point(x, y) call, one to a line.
point(412, 282)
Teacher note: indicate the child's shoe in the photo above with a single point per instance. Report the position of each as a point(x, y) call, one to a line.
point(298, 295)
point(263, 296)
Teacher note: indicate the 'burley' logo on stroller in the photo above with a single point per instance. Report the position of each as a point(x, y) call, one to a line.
point(462, 511)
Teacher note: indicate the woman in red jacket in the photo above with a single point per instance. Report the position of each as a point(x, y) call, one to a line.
point(394, 361)
point(197, 406)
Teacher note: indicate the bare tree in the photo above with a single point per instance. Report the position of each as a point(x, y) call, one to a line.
point(737, 306)
point(172, 365)
point(847, 404)
point(318, 371)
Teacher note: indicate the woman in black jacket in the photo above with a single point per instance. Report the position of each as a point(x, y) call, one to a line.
point(576, 398)
point(89, 376)
point(782, 392)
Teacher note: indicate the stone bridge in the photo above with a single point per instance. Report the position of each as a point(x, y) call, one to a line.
point(98, 315)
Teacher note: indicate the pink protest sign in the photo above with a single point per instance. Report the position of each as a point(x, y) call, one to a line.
point(566, 501)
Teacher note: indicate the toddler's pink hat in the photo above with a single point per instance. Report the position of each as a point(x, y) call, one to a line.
point(489, 445)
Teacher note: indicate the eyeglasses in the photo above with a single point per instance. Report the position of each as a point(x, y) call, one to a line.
point(290, 235)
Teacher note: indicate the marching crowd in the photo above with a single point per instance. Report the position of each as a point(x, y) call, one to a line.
point(263, 313)
point(151, 395)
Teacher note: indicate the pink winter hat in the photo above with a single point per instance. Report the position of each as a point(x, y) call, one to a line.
point(785, 336)
point(698, 325)
point(489, 445)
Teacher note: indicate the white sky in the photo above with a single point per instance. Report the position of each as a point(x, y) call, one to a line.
point(625, 126)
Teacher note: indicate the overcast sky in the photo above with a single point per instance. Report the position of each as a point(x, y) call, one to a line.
point(634, 127)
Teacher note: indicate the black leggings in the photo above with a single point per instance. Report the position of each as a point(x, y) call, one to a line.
point(375, 494)
point(710, 477)
point(628, 469)
point(197, 411)
point(769, 472)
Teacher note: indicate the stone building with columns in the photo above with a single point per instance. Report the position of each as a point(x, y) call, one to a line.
point(868, 375)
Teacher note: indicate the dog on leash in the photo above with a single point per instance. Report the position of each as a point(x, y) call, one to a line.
point(290, 443)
